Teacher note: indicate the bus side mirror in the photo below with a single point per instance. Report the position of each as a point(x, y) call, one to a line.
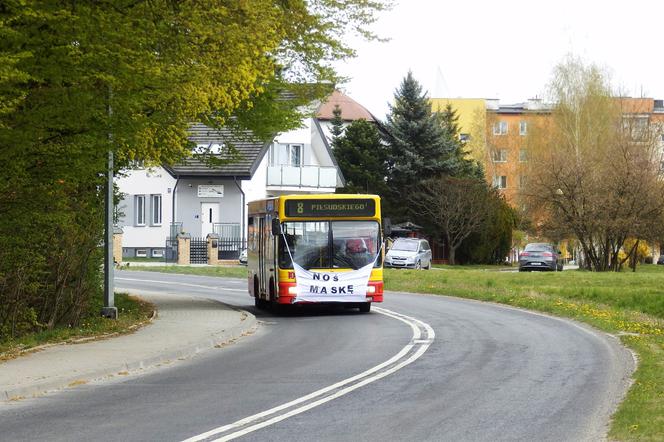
point(276, 227)
point(387, 226)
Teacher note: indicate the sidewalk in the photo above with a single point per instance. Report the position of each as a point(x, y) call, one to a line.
point(184, 326)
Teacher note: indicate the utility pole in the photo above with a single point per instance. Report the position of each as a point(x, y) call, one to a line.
point(109, 310)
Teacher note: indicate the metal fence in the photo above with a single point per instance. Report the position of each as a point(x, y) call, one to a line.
point(230, 240)
point(230, 248)
point(227, 230)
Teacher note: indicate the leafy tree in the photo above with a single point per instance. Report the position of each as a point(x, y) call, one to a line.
point(457, 208)
point(79, 79)
point(492, 242)
point(595, 168)
point(362, 158)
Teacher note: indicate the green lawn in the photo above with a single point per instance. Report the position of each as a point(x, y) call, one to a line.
point(226, 271)
point(630, 305)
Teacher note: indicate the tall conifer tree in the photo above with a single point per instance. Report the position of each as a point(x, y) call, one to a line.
point(418, 145)
point(337, 122)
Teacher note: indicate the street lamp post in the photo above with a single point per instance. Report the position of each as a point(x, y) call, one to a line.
point(109, 310)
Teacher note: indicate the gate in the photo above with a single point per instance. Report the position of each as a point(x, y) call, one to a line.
point(198, 251)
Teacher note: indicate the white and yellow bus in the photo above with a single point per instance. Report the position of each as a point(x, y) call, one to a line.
point(320, 232)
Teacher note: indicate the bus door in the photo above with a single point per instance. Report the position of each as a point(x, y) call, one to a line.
point(262, 233)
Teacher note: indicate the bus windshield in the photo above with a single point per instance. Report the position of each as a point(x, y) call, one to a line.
point(330, 244)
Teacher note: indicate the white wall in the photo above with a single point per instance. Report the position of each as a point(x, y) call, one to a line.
point(188, 204)
point(145, 182)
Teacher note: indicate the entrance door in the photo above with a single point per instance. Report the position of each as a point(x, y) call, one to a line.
point(209, 216)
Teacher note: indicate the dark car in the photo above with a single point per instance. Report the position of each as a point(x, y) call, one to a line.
point(540, 256)
point(660, 260)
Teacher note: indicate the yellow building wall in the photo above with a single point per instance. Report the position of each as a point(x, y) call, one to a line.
point(467, 109)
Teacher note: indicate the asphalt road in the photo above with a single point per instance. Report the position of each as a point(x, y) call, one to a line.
point(417, 368)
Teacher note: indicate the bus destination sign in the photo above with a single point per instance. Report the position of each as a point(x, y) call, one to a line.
point(331, 207)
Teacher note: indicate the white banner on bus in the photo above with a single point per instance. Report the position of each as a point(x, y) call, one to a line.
point(318, 286)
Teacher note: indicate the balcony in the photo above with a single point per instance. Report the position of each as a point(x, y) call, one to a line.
point(305, 176)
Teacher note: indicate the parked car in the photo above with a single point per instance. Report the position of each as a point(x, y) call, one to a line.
point(660, 260)
point(540, 256)
point(243, 257)
point(411, 253)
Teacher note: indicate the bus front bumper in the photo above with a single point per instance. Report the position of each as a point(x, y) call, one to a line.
point(288, 292)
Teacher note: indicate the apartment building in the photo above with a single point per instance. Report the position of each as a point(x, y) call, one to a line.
point(497, 134)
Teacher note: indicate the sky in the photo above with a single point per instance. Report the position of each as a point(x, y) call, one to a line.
point(506, 49)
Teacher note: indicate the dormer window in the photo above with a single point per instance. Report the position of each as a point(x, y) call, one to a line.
point(210, 148)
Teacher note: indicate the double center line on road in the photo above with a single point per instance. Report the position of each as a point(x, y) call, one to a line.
point(423, 336)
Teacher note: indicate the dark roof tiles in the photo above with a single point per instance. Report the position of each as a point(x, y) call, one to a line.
point(249, 152)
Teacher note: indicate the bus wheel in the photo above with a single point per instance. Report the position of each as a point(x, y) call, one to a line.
point(258, 302)
point(365, 307)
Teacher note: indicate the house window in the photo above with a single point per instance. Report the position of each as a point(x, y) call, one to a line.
point(141, 253)
point(295, 155)
point(500, 182)
point(500, 128)
point(500, 156)
point(157, 253)
point(286, 155)
point(155, 210)
point(139, 210)
point(636, 127)
point(523, 155)
point(464, 138)
point(523, 128)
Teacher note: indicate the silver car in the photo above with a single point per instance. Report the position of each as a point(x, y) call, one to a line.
point(540, 256)
point(409, 253)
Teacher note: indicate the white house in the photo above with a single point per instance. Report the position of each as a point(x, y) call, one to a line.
point(198, 199)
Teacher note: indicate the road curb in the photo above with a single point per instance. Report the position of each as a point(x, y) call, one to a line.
point(246, 324)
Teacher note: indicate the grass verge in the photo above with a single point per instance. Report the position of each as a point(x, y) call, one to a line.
point(222, 271)
point(132, 314)
point(630, 305)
